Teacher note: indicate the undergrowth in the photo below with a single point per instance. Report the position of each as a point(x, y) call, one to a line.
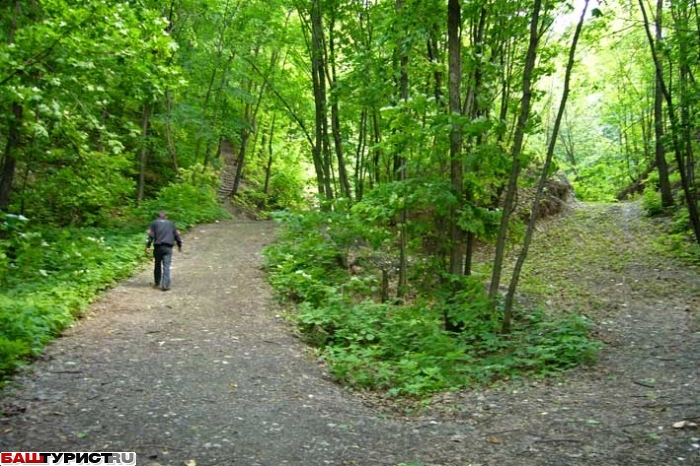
point(677, 238)
point(331, 266)
point(49, 275)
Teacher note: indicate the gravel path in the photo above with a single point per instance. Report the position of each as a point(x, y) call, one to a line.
point(207, 372)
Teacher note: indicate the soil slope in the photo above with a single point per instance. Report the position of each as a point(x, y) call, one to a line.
point(209, 374)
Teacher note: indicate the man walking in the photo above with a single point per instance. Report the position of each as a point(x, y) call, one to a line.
point(163, 234)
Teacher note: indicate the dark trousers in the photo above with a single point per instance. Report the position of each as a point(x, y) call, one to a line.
point(163, 255)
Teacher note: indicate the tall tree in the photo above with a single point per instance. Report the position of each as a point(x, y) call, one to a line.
point(454, 33)
point(659, 148)
point(518, 138)
point(534, 211)
point(687, 182)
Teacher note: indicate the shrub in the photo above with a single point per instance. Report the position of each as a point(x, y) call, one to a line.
point(406, 349)
point(86, 192)
point(189, 201)
point(651, 202)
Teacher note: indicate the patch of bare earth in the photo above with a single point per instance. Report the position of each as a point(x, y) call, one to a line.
point(208, 372)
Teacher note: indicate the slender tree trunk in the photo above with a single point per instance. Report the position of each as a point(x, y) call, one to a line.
point(454, 39)
point(400, 170)
point(360, 162)
point(680, 16)
point(14, 124)
point(270, 156)
point(434, 57)
point(510, 296)
point(376, 150)
point(660, 150)
point(321, 146)
point(170, 143)
point(569, 147)
point(241, 159)
point(474, 110)
point(687, 184)
point(516, 150)
point(9, 160)
point(335, 118)
point(249, 121)
point(172, 149)
point(145, 123)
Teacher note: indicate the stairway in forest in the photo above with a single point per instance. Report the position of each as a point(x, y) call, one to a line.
point(228, 171)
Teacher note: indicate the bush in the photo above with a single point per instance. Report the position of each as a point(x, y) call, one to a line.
point(52, 276)
point(190, 201)
point(651, 202)
point(305, 263)
point(405, 349)
point(83, 193)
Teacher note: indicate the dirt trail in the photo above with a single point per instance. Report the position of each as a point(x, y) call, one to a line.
point(208, 372)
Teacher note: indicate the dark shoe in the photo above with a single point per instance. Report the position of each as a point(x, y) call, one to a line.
point(166, 288)
point(156, 286)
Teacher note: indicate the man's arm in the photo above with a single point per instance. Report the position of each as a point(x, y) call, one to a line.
point(178, 239)
point(150, 237)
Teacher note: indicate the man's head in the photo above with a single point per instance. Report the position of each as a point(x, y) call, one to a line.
point(162, 214)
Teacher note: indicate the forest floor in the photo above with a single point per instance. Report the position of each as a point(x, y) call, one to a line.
point(209, 373)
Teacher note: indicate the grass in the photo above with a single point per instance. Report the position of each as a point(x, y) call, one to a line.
point(580, 260)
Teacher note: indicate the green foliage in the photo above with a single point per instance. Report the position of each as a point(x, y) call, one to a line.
point(286, 189)
point(679, 239)
point(651, 202)
point(11, 353)
point(305, 263)
point(599, 182)
point(77, 75)
point(405, 349)
point(87, 193)
point(50, 275)
point(188, 201)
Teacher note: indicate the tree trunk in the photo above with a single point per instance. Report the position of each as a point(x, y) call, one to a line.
point(9, 159)
point(434, 57)
point(249, 116)
point(170, 143)
point(360, 162)
point(14, 124)
point(172, 150)
point(400, 170)
point(474, 110)
point(518, 138)
point(270, 156)
point(376, 150)
point(454, 39)
point(145, 123)
point(320, 149)
point(510, 296)
point(687, 184)
point(680, 16)
point(345, 190)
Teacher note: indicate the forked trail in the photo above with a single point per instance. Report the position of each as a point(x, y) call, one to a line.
point(208, 374)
